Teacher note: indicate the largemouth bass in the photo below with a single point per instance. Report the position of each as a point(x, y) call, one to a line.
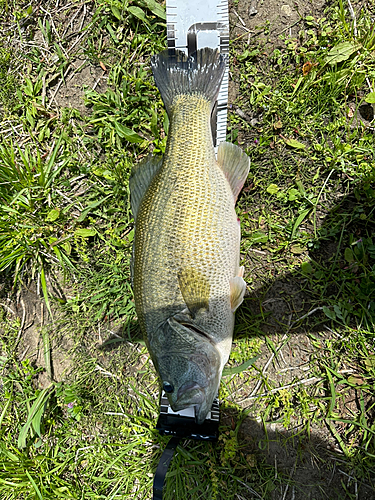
point(186, 277)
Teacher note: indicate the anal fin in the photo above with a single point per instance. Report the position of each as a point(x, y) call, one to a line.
point(235, 164)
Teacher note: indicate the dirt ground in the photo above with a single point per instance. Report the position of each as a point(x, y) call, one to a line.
point(315, 471)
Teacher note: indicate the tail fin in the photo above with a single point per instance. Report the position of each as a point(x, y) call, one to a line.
point(201, 74)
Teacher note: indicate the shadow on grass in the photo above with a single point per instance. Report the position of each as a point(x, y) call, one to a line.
point(328, 301)
point(337, 269)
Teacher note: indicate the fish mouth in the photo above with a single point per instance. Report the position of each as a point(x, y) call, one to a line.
point(189, 394)
point(192, 394)
point(201, 412)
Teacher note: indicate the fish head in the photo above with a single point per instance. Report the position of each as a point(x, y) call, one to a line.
point(189, 365)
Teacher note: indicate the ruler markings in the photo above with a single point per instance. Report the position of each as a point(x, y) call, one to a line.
point(190, 25)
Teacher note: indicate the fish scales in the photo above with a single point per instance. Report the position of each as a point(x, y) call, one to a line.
point(186, 252)
point(183, 221)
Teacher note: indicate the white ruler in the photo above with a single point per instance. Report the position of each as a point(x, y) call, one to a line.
point(194, 24)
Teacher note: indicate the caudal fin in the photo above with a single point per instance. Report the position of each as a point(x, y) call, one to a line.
point(199, 74)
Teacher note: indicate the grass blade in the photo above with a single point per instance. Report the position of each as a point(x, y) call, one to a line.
point(238, 369)
point(35, 416)
point(36, 489)
point(47, 352)
point(299, 221)
point(44, 288)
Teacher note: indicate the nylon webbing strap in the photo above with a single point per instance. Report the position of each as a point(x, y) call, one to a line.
point(162, 469)
point(181, 425)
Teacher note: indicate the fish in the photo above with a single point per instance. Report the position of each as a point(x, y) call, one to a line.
point(186, 274)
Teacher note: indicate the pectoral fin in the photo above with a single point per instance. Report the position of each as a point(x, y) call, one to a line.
point(237, 291)
point(195, 290)
point(141, 178)
point(235, 164)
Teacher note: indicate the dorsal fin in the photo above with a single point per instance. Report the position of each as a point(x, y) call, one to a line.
point(141, 178)
point(235, 164)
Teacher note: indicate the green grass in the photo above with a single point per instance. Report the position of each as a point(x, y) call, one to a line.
point(307, 215)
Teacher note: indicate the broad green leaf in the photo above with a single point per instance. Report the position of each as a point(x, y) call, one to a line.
point(294, 144)
point(258, 237)
point(355, 380)
point(28, 88)
point(127, 133)
point(293, 194)
point(30, 118)
point(297, 249)
point(370, 361)
point(34, 416)
point(248, 54)
point(299, 221)
point(103, 172)
point(53, 214)
point(338, 312)
point(67, 247)
point(329, 313)
point(370, 98)
point(342, 52)
point(306, 268)
point(154, 124)
point(319, 275)
point(37, 419)
point(238, 369)
point(112, 33)
point(85, 233)
point(349, 255)
point(137, 12)
point(166, 122)
point(156, 9)
point(116, 12)
point(272, 189)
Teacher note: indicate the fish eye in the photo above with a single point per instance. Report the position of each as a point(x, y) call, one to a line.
point(167, 387)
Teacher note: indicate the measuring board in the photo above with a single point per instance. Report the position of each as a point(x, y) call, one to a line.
point(194, 24)
point(182, 423)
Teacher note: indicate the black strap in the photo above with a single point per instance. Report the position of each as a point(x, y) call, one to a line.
point(162, 468)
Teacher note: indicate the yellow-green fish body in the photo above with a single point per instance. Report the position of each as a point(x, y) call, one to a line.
point(186, 276)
